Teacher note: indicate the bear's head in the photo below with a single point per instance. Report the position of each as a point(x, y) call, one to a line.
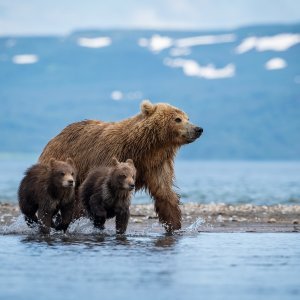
point(123, 174)
point(63, 174)
point(170, 124)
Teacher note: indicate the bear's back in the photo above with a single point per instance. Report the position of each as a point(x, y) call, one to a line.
point(94, 184)
point(35, 182)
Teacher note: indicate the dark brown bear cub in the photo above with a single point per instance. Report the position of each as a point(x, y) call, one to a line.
point(106, 193)
point(48, 189)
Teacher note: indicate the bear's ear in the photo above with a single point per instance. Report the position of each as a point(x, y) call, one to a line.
point(70, 161)
point(147, 108)
point(130, 161)
point(51, 162)
point(115, 162)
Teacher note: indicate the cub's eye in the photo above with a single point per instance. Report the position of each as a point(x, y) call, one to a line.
point(122, 176)
point(62, 173)
point(178, 120)
point(72, 173)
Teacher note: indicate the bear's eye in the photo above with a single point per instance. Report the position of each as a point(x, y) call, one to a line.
point(72, 173)
point(178, 120)
point(62, 173)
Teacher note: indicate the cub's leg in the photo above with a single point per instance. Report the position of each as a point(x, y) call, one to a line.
point(66, 216)
point(29, 210)
point(45, 215)
point(122, 218)
point(31, 220)
point(97, 211)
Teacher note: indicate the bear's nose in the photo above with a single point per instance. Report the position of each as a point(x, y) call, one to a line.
point(70, 182)
point(131, 186)
point(199, 130)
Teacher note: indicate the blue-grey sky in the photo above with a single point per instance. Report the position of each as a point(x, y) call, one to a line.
point(26, 17)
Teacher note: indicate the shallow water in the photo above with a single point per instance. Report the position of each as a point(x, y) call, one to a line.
point(198, 181)
point(186, 265)
point(86, 263)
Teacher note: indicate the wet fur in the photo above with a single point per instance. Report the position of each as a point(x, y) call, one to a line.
point(150, 138)
point(39, 193)
point(104, 197)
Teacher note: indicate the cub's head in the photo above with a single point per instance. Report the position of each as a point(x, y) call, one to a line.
point(123, 174)
point(63, 174)
point(169, 124)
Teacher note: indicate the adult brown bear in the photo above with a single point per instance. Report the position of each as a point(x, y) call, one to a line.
point(151, 139)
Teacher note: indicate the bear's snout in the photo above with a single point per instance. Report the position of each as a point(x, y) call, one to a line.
point(198, 131)
point(68, 181)
point(131, 187)
point(71, 182)
point(192, 133)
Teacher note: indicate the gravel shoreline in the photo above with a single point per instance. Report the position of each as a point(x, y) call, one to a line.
point(205, 217)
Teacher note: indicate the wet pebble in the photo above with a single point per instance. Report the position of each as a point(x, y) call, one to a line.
point(220, 219)
point(135, 220)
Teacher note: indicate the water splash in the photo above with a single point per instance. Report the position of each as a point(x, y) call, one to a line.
point(84, 226)
point(194, 227)
point(18, 226)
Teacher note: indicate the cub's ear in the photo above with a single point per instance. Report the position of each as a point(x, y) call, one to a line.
point(115, 162)
point(130, 161)
point(52, 162)
point(70, 161)
point(147, 108)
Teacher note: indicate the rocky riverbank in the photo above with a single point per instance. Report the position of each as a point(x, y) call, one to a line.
point(205, 217)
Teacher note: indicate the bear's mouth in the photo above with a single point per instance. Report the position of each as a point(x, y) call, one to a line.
point(190, 140)
point(196, 134)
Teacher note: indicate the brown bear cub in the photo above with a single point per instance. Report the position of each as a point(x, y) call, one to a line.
point(106, 193)
point(48, 189)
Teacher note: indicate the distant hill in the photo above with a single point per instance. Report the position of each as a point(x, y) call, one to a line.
point(242, 86)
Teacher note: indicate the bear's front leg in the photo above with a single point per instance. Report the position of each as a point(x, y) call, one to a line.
point(167, 207)
point(122, 218)
point(166, 201)
point(66, 216)
point(45, 220)
point(97, 211)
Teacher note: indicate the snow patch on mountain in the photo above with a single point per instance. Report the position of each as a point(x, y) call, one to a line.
point(192, 68)
point(158, 43)
point(279, 42)
point(98, 42)
point(275, 64)
point(24, 59)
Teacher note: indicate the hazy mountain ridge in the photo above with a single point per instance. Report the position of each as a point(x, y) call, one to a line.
point(253, 113)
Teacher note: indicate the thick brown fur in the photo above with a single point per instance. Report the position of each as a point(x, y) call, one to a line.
point(106, 193)
point(150, 138)
point(47, 189)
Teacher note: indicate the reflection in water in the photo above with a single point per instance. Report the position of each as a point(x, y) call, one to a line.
point(166, 241)
point(150, 265)
point(103, 240)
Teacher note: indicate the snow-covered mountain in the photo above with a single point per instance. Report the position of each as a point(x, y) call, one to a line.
point(242, 86)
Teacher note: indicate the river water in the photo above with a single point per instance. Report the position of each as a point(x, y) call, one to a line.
point(198, 181)
point(150, 266)
point(147, 264)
